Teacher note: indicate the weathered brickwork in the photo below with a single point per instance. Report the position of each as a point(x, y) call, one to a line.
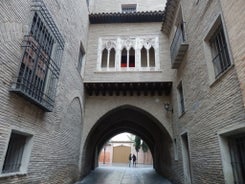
point(56, 138)
point(209, 105)
point(235, 25)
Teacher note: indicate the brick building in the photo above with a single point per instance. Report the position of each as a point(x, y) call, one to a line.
point(73, 75)
point(117, 152)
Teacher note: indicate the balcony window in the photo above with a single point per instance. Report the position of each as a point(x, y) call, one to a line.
point(40, 64)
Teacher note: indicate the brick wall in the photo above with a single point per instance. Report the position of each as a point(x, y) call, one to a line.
point(235, 25)
point(56, 135)
point(210, 105)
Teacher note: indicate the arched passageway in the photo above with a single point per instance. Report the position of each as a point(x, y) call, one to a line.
point(136, 121)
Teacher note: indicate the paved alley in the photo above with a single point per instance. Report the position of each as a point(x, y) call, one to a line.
point(124, 175)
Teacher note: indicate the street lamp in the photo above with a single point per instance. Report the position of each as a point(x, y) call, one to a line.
point(168, 108)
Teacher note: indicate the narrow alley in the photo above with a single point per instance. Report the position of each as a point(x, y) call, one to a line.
point(122, 174)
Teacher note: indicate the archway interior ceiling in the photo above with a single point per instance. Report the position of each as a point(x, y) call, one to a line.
point(129, 119)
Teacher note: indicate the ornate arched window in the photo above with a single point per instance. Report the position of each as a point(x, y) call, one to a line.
point(143, 57)
point(124, 58)
point(104, 58)
point(152, 57)
point(112, 58)
point(132, 57)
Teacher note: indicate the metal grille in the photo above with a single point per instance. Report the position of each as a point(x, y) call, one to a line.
point(237, 151)
point(39, 73)
point(221, 59)
point(13, 158)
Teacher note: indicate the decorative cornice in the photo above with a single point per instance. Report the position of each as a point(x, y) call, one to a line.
point(128, 88)
point(132, 17)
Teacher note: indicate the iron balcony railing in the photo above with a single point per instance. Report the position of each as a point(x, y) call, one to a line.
point(178, 46)
point(41, 61)
point(38, 75)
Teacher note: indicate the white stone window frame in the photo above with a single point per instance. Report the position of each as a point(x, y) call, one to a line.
point(25, 157)
point(218, 21)
point(135, 42)
point(223, 136)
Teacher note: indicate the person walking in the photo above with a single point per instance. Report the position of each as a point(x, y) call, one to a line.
point(134, 160)
point(129, 159)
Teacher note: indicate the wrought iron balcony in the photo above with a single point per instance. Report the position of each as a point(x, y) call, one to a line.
point(179, 46)
point(40, 65)
point(38, 75)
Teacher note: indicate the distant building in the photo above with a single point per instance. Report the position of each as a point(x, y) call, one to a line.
point(117, 152)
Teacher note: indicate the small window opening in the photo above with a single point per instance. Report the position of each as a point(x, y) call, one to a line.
point(13, 158)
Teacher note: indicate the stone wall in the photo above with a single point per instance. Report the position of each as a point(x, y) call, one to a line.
point(55, 152)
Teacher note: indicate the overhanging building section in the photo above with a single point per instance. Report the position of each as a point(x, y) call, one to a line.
point(128, 89)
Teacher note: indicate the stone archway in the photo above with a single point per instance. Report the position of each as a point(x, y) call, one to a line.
point(134, 120)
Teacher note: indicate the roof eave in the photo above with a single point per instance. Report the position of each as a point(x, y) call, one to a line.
point(134, 17)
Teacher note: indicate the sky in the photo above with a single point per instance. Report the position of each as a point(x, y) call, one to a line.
point(121, 137)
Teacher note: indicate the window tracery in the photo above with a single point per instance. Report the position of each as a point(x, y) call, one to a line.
point(139, 53)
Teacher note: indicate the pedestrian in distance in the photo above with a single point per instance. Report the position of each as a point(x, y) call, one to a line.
point(129, 159)
point(134, 160)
